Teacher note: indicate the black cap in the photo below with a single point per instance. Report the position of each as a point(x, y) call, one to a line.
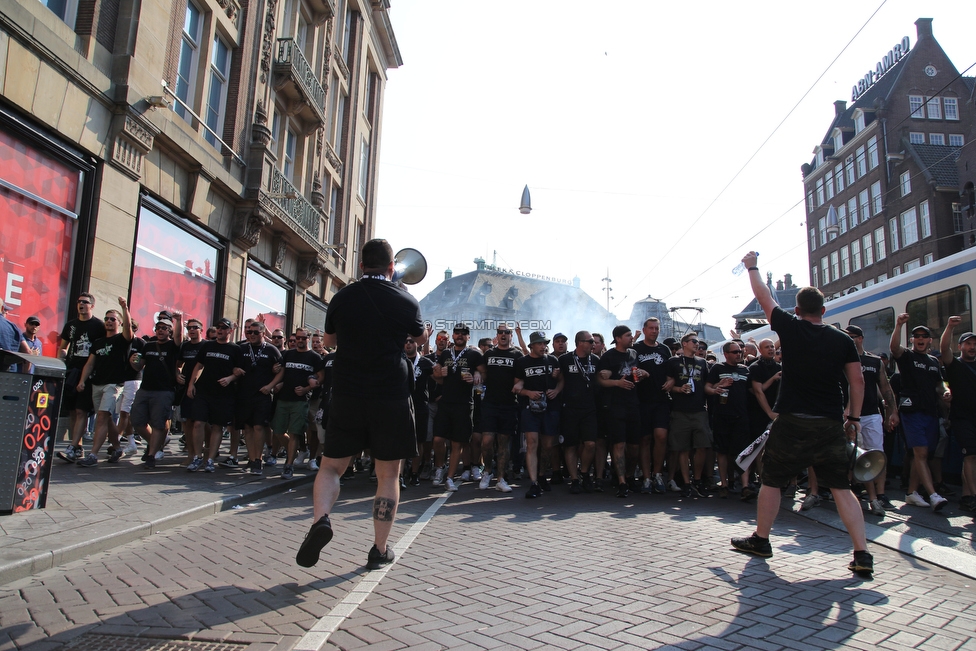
point(224, 323)
point(921, 328)
point(559, 335)
point(966, 336)
point(620, 330)
point(854, 331)
point(671, 342)
point(460, 327)
point(33, 320)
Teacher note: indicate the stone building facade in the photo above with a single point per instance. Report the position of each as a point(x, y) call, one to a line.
point(213, 156)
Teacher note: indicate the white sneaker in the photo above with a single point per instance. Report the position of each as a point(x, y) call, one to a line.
point(876, 509)
point(673, 486)
point(915, 500)
point(313, 465)
point(937, 502)
point(451, 486)
point(485, 481)
point(301, 458)
point(476, 473)
point(159, 455)
point(466, 475)
point(503, 486)
point(439, 477)
point(130, 448)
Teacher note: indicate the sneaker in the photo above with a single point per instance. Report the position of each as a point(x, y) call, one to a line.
point(723, 492)
point(809, 502)
point(449, 485)
point(753, 545)
point(230, 462)
point(71, 454)
point(270, 460)
point(685, 491)
point(376, 560)
point(695, 490)
point(863, 563)
point(88, 461)
point(790, 492)
point(302, 458)
point(466, 475)
point(159, 455)
point(439, 477)
point(534, 491)
point(484, 482)
point(477, 474)
point(748, 492)
point(587, 484)
point(313, 465)
point(966, 503)
point(673, 487)
point(287, 472)
point(937, 502)
point(574, 487)
point(131, 448)
point(886, 503)
point(874, 506)
point(146, 456)
point(646, 487)
point(87, 437)
point(503, 486)
point(254, 467)
point(915, 500)
point(622, 490)
point(210, 466)
point(372, 474)
point(348, 474)
point(942, 489)
point(115, 456)
point(195, 464)
point(414, 479)
point(544, 484)
point(657, 485)
point(425, 473)
point(318, 536)
point(150, 463)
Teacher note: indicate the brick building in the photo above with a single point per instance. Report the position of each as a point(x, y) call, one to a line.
point(213, 156)
point(883, 189)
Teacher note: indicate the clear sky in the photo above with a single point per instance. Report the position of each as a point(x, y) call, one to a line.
point(640, 128)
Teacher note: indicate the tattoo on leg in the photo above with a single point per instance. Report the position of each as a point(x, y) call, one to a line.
point(383, 509)
point(619, 465)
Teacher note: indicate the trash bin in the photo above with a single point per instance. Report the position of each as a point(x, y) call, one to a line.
point(30, 400)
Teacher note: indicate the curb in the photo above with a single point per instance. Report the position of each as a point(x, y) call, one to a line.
point(12, 571)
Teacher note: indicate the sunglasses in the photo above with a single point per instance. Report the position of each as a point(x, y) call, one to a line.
point(110, 318)
point(192, 327)
point(504, 332)
point(84, 302)
point(253, 332)
point(277, 336)
point(734, 352)
point(300, 338)
point(162, 327)
point(693, 341)
point(223, 327)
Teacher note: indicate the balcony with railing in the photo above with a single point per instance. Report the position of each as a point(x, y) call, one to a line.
point(302, 215)
point(296, 84)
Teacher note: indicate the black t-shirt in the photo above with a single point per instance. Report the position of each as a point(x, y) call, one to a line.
point(111, 358)
point(500, 376)
point(371, 320)
point(871, 369)
point(81, 335)
point(298, 367)
point(423, 369)
point(579, 381)
point(737, 404)
point(188, 356)
point(218, 360)
point(761, 371)
point(652, 359)
point(258, 364)
point(961, 377)
point(536, 375)
point(688, 370)
point(814, 357)
point(454, 390)
point(325, 390)
point(921, 377)
point(621, 366)
point(135, 346)
point(159, 374)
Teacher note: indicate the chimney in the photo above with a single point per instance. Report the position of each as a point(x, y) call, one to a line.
point(448, 273)
point(779, 285)
point(839, 107)
point(924, 29)
point(789, 281)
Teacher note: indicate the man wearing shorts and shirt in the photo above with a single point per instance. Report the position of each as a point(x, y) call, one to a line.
point(254, 402)
point(873, 427)
point(303, 371)
point(212, 387)
point(77, 337)
point(960, 373)
point(578, 421)
point(499, 408)
point(689, 420)
point(618, 374)
point(368, 323)
point(918, 406)
point(810, 429)
point(423, 370)
point(537, 384)
point(655, 406)
point(106, 368)
point(728, 384)
point(186, 361)
point(458, 370)
point(153, 403)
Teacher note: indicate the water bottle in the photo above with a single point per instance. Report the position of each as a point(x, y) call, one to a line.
point(739, 268)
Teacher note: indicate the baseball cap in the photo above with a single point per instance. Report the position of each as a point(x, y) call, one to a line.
point(670, 342)
point(33, 320)
point(538, 336)
point(966, 336)
point(921, 328)
point(559, 335)
point(224, 323)
point(164, 321)
point(460, 327)
point(854, 331)
point(620, 330)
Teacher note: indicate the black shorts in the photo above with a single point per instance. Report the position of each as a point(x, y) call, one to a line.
point(385, 427)
point(420, 417)
point(965, 433)
point(730, 436)
point(499, 419)
point(623, 425)
point(796, 443)
point(214, 410)
point(654, 415)
point(578, 426)
point(186, 408)
point(254, 409)
point(453, 422)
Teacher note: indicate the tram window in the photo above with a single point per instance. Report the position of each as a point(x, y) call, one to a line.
point(935, 309)
point(877, 327)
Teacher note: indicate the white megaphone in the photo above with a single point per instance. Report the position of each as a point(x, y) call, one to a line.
point(409, 267)
point(866, 464)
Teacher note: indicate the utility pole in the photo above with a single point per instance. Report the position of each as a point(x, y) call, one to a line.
point(607, 288)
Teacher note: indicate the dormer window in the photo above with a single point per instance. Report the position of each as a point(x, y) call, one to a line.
point(858, 121)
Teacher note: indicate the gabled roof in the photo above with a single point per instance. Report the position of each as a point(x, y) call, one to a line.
point(938, 162)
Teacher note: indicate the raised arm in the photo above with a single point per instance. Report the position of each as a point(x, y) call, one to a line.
point(759, 288)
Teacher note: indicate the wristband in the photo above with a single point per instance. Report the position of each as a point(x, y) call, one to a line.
point(753, 269)
point(853, 420)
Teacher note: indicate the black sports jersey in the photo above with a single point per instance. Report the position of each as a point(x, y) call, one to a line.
point(579, 381)
point(454, 389)
point(735, 404)
point(259, 362)
point(652, 359)
point(621, 366)
point(921, 377)
point(80, 336)
point(218, 360)
point(871, 369)
point(299, 366)
point(500, 375)
point(111, 358)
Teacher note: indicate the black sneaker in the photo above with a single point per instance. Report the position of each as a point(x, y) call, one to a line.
point(115, 455)
point(597, 485)
point(534, 491)
point(254, 467)
point(574, 487)
point(72, 454)
point(622, 490)
point(886, 503)
point(403, 482)
point(229, 462)
point(414, 479)
point(318, 536)
point(147, 456)
point(376, 560)
point(753, 545)
point(544, 484)
point(686, 490)
point(944, 490)
point(150, 463)
point(862, 564)
point(587, 484)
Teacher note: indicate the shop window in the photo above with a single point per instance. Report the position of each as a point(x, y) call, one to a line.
point(265, 300)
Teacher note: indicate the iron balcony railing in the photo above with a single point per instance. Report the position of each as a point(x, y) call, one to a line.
point(301, 211)
point(290, 54)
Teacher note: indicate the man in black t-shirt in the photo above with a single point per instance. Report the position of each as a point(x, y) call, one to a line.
point(423, 370)
point(810, 428)
point(255, 406)
point(538, 385)
point(499, 408)
point(764, 376)
point(185, 362)
point(655, 406)
point(77, 337)
point(154, 400)
point(106, 368)
point(367, 322)
point(960, 373)
point(689, 420)
point(212, 387)
point(729, 381)
point(303, 372)
point(578, 421)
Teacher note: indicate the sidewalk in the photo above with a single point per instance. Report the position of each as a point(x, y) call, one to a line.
point(93, 509)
